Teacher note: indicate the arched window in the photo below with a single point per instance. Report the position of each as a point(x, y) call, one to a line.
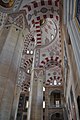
point(56, 116)
point(55, 98)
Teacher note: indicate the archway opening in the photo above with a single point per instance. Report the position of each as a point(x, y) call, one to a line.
point(55, 98)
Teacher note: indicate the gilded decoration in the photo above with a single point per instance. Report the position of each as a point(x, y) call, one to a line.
point(6, 3)
point(10, 6)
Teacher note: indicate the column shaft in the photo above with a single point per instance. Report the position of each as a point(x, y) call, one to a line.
point(8, 71)
point(35, 111)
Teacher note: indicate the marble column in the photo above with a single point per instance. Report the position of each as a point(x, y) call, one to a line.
point(35, 111)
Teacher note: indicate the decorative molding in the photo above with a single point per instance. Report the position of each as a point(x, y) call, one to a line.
point(45, 11)
point(10, 6)
point(17, 19)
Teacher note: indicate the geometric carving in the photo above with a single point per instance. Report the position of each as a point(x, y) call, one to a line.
point(44, 10)
point(37, 57)
point(29, 17)
point(19, 21)
point(38, 73)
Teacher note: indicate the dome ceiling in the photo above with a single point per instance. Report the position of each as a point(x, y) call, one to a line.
point(45, 39)
point(48, 32)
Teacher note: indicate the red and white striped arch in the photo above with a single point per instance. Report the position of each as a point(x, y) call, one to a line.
point(37, 5)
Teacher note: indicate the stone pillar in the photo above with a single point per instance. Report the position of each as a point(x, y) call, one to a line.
point(9, 59)
point(15, 104)
point(3, 35)
point(35, 111)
